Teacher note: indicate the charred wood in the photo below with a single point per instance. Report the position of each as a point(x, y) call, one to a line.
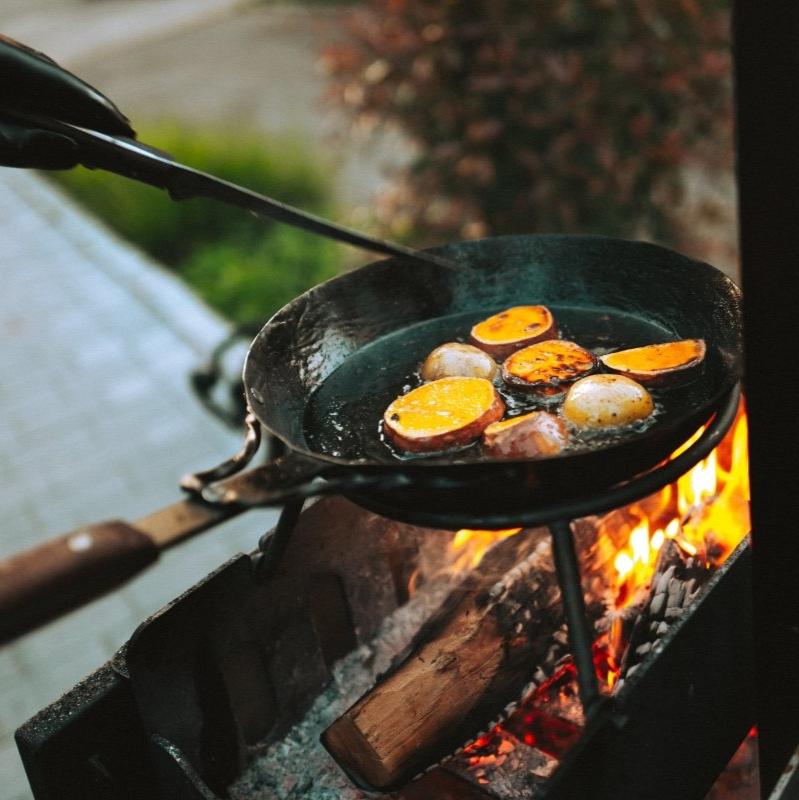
point(465, 666)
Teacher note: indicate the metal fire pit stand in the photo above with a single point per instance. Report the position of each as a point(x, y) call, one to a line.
point(557, 517)
point(166, 717)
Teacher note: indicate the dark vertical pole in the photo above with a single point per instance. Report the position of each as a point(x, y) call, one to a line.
point(766, 48)
point(581, 638)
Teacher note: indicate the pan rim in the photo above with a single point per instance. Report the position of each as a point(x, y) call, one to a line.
point(439, 461)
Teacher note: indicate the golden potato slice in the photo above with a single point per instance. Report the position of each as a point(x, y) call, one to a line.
point(512, 329)
point(527, 436)
point(449, 412)
point(548, 368)
point(606, 401)
point(657, 364)
point(454, 359)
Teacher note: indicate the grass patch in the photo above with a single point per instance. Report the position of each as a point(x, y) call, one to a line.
point(244, 267)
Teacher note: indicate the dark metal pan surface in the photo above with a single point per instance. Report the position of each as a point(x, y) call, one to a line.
point(321, 372)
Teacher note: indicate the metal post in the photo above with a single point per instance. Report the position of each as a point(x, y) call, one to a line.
point(571, 590)
point(766, 34)
point(272, 547)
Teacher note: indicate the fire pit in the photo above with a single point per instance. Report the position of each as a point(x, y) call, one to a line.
point(227, 691)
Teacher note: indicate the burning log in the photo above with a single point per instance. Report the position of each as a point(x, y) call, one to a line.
point(462, 670)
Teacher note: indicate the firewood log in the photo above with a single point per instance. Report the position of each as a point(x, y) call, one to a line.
point(463, 668)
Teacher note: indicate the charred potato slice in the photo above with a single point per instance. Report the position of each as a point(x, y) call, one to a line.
point(453, 359)
point(606, 401)
point(547, 368)
point(531, 435)
point(512, 329)
point(442, 414)
point(658, 364)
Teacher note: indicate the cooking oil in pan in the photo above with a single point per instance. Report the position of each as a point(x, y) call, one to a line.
point(343, 416)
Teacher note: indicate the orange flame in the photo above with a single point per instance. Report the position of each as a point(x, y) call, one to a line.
point(469, 546)
point(709, 513)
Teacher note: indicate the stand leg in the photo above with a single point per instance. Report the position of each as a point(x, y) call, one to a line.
point(580, 637)
point(272, 547)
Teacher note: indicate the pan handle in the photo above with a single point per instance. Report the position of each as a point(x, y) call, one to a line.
point(54, 577)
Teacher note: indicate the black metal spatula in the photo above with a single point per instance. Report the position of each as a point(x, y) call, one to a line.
point(49, 118)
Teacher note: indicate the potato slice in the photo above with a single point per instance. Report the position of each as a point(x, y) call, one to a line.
point(548, 368)
point(527, 436)
point(512, 329)
point(455, 359)
point(658, 364)
point(449, 412)
point(606, 401)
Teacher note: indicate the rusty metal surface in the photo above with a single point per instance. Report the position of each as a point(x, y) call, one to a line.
point(233, 663)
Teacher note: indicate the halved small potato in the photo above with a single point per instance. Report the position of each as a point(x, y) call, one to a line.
point(606, 401)
point(454, 359)
point(548, 368)
point(449, 412)
point(658, 363)
point(512, 329)
point(527, 436)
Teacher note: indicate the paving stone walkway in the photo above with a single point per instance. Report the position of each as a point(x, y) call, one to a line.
point(98, 421)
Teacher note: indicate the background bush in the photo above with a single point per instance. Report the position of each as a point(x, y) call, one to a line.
point(553, 115)
point(244, 267)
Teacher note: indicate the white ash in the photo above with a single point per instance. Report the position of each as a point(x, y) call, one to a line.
point(298, 766)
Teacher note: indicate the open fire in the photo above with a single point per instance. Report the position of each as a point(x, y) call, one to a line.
point(445, 656)
point(704, 514)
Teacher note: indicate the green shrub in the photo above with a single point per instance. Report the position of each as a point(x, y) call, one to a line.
point(242, 283)
point(245, 267)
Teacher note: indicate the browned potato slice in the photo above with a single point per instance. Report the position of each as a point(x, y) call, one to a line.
point(512, 329)
point(547, 368)
point(656, 364)
point(606, 401)
point(527, 436)
point(454, 359)
point(449, 412)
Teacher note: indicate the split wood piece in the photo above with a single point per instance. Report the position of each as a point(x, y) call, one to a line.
point(677, 580)
point(462, 670)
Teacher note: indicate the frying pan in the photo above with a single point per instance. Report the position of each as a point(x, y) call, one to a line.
point(322, 370)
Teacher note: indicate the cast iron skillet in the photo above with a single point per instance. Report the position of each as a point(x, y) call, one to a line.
point(322, 370)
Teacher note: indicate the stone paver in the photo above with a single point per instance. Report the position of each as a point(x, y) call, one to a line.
point(97, 422)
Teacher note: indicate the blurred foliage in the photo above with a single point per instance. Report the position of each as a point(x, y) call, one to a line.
point(557, 115)
point(243, 266)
